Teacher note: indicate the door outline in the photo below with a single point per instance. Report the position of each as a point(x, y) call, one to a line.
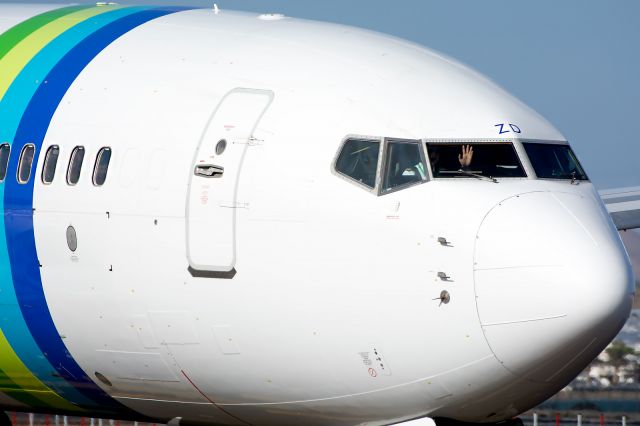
point(227, 271)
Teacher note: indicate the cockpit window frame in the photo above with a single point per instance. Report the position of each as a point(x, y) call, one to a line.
point(348, 178)
point(534, 175)
point(385, 154)
point(515, 143)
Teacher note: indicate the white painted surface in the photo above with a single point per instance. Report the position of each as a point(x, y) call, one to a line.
point(324, 268)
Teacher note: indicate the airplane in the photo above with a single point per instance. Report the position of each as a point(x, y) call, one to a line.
point(222, 218)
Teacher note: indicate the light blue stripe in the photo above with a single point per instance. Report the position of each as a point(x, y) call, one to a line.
point(12, 107)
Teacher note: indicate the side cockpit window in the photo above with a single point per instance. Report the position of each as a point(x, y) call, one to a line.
point(5, 150)
point(404, 165)
point(554, 161)
point(358, 160)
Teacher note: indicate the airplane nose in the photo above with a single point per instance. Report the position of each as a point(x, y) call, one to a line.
point(553, 283)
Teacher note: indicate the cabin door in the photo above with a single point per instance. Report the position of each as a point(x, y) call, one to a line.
point(212, 197)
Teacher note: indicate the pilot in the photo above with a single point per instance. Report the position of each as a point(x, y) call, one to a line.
point(465, 158)
point(434, 158)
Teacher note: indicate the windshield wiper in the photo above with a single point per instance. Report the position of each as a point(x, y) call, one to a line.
point(477, 176)
point(575, 180)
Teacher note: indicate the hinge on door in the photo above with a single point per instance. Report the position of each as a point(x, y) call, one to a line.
point(234, 205)
point(251, 142)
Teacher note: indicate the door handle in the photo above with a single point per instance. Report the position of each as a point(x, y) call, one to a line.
point(209, 171)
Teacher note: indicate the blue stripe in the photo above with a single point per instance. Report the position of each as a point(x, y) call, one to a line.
point(12, 107)
point(19, 202)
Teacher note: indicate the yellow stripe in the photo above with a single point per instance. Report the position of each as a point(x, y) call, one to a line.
point(14, 61)
point(29, 391)
point(26, 381)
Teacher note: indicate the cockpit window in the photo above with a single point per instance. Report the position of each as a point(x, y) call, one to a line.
point(491, 160)
point(359, 160)
point(554, 161)
point(403, 166)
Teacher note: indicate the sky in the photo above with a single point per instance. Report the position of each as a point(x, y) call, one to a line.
point(576, 62)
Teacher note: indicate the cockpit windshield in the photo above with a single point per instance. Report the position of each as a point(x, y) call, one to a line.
point(491, 160)
point(383, 165)
point(554, 161)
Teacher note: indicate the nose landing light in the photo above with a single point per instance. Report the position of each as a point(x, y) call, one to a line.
point(553, 283)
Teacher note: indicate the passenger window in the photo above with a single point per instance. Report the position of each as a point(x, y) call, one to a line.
point(403, 165)
point(101, 166)
point(359, 161)
point(25, 162)
point(5, 150)
point(50, 163)
point(75, 165)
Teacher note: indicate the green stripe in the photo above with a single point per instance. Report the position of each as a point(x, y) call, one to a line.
point(18, 57)
point(14, 35)
point(12, 390)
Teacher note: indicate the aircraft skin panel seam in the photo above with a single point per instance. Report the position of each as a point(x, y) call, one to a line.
point(30, 52)
point(370, 392)
point(524, 320)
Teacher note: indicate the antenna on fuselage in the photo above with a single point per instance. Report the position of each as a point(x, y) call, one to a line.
point(215, 8)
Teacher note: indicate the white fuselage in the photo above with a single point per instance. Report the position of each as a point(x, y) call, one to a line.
point(322, 305)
